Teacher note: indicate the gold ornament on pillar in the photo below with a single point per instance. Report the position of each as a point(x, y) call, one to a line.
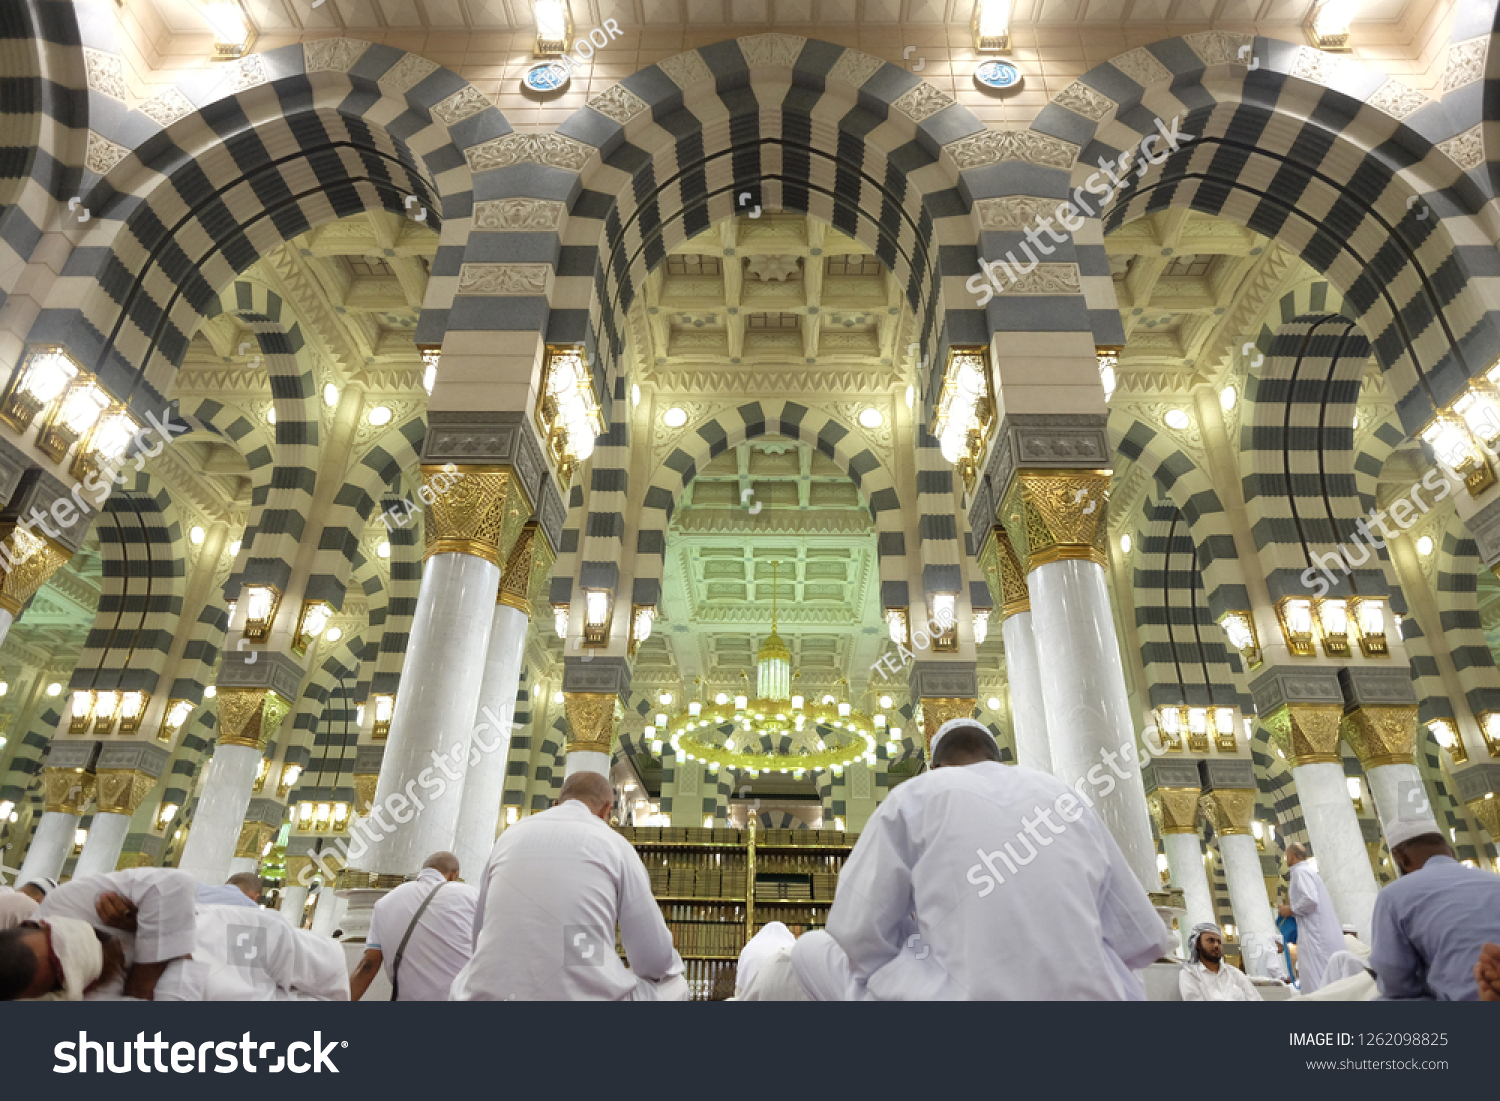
point(128, 861)
point(1306, 733)
point(479, 510)
point(69, 790)
point(1229, 810)
point(1486, 811)
point(250, 716)
point(33, 560)
point(1004, 574)
point(1381, 735)
point(526, 570)
point(1175, 809)
point(937, 710)
point(1056, 515)
point(591, 715)
point(254, 836)
point(120, 790)
point(364, 793)
point(294, 868)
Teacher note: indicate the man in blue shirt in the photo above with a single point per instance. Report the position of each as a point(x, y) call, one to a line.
point(1432, 923)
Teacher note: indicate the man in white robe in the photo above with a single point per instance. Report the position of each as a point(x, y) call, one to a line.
point(250, 954)
point(953, 892)
point(1319, 932)
point(556, 885)
point(439, 912)
point(1206, 977)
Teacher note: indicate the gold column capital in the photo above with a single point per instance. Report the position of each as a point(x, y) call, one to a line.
point(526, 570)
point(121, 790)
point(1229, 810)
point(33, 560)
point(294, 867)
point(69, 790)
point(128, 861)
point(1307, 733)
point(1175, 809)
point(250, 717)
point(1056, 515)
point(936, 710)
point(364, 793)
point(591, 715)
point(1004, 574)
point(1382, 735)
point(252, 839)
point(476, 510)
point(1486, 811)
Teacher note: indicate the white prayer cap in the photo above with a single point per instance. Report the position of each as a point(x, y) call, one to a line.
point(1403, 830)
point(79, 955)
point(46, 884)
point(954, 724)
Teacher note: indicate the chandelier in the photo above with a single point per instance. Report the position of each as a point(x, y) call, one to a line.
point(775, 731)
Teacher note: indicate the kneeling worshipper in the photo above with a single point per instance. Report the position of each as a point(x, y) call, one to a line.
point(58, 960)
point(250, 954)
point(764, 973)
point(151, 911)
point(938, 902)
point(1206, 977)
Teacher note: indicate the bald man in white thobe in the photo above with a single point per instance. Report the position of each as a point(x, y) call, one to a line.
point(1319, 932)
point(556, 885)
point(954, 892)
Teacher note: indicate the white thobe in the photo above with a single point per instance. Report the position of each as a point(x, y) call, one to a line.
point(165, 901)
point(1319, 932)
point(556, 885)
point(252, 955)
point(15, 907)
point(1228, 984)
point(441, 943)
point(1004, 910)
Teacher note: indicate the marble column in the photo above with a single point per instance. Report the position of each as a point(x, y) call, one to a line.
point(591, 715)
point(472, 522)
point(242, 864)
point(221, 809)
point(294, 889)
point(106, 840)
point(1231, 811)
point(1058, 519)
point(125, 774)
point(1176, 812)
point(1308, 736)
point(1028, 710)
point(1383, 736)
point(68, 792)
point(484, 783)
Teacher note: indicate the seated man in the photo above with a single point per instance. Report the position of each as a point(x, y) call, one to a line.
point(556, 885)
point(427, 925)
point(764, 972)
point(1039, 916)
point(1432, 923)
point(1206, 977)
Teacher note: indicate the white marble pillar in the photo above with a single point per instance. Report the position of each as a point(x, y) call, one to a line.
point(50, 846)
point(1337, 842)
point(1088, 712)
point(484, 783)
point(106, 840)
point(242, 864)
point(221, 813)
point(6, 619)
point(1185, 862)
point(417, 799)
point(1399, 792)
point(293, 903)
point(1247, 896)
point(330, 910)
point(586, 760)
point(1028, 710)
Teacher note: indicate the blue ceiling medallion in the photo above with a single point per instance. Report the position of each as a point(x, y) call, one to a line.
point(546, 77)
point(998, 76)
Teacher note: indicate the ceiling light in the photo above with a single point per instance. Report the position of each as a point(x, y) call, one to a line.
point(635, 394)
point(430, 357)
point(886, 701)
point(1109, 364)
point(379, 415)
point(46, 374)
point(54, 689)
point(1177, 419)
point(1424, 545)
point(911, 396)
point(993, 703)
point(196, 535)
point(233, 34)
point(383, 551)
point(271, 415)
point(333, 634)
point(1328, 24)
point(1227, 397)
point(568, 411)
point(210, 692)
point(234, 549)
point(990, 25)
point(871, 418)
point(1125, 543)
point(674, 417)
point(554, 27)
point(330, 395)
point(557, 697)
point(965, 409)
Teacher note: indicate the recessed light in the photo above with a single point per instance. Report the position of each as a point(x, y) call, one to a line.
point(993, 703)
point(674, 417)
point(1125, 543)
point(1227, 397)
point(1177, 419)
point(330, 395)
point(234, 549)
point(380, 414)
point(333, 634)
point(271, 415)
point(196, 535)
point(871, 418)
point(1424, 545)
point(383, 551)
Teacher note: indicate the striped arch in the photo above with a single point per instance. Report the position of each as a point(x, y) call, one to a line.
point(306, 134)
point(1458, 569)
point(818, 429)
point(140, 607)
point(181, 774)
point(782, 820)
point(1338, 164)
point(402, 579)
point(1183, 649)
point(1274, 778)
point(23, 780)
point(323, 720)
point(796, 123)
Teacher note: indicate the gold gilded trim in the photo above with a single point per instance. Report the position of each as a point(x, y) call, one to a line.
point(1058, 515)
point(68, 790)
point(937, 710)
point(1382, 735)
point(472, 510)
point(1229, 810)
point(1004, 574)
point(364, 793)
point(591, 715)
point(526, 570)
point(250, 717)
point(252, 839)
point(1307, 733)
point(121, 790)
point(34, 559)
point(1175, 809)
point(1486, 811)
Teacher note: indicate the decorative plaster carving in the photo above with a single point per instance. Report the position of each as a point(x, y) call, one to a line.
point(1046, 279)
point(1082, 99)
point(854, 67)
point(1141, 66)
point(505, 279)
point(105, 73)
point(618, 103)
point(103, 154)
point(922, 102)
point(686, 69)
point(1015, 211)
point(780, 50)
point(1397, 100)
point(524, 214)
point(247, 72)
point(167, 107)
point(997, 146)
point(553, 150)
point(1220, 47)
point(332, 55)
point(1314, 65)
point(467, 102)
point(407, 73)
point(1465, 62)
point(1466, 150)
